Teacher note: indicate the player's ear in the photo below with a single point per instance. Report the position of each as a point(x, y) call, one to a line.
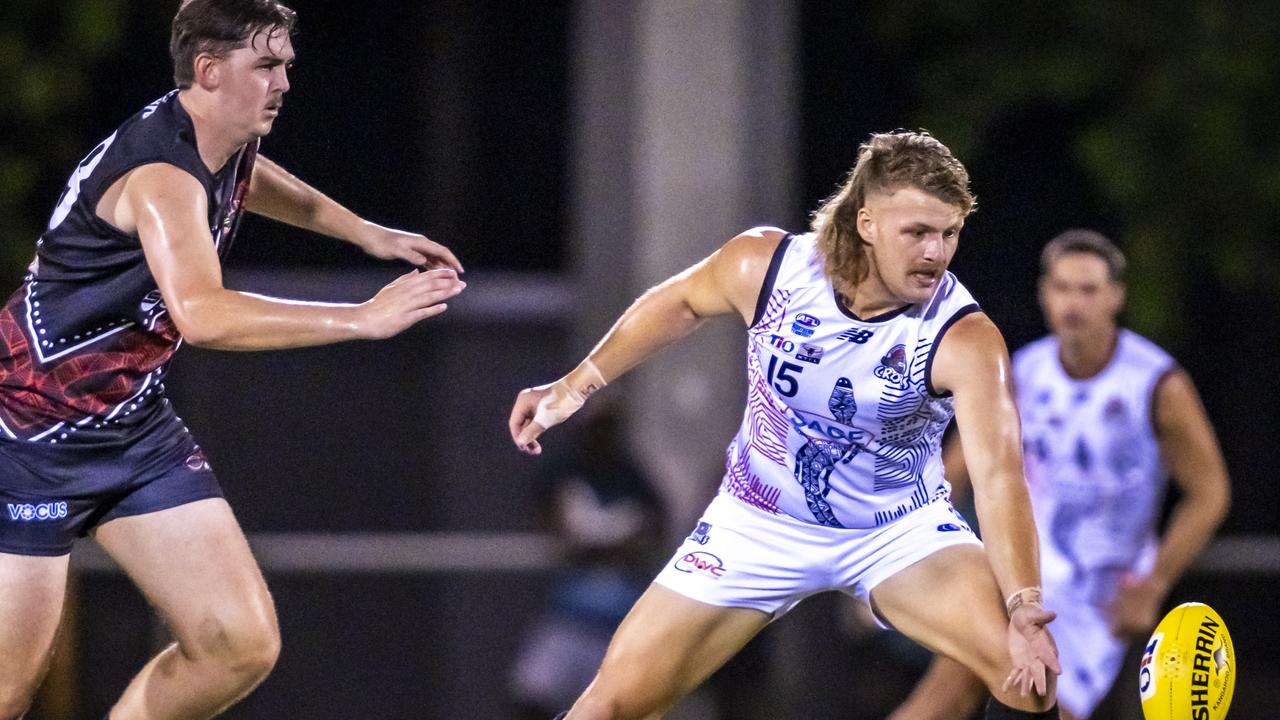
point(1120, 296)
point(866, 224)
point(208, 71)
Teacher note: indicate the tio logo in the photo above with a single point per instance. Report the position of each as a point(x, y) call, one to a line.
point(1147, 669)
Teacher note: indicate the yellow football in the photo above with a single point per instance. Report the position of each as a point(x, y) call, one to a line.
point(1188, 669)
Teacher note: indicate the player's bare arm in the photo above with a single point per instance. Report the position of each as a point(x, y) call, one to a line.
point(726, 282)
point(972, 363)
point(279, 195)
point(167, 209)
point(1190, 451)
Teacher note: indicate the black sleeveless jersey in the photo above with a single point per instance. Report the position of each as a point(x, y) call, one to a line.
point(86, 341)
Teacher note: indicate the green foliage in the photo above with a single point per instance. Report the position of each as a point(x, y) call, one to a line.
point(1175, 109)
point(48, 51)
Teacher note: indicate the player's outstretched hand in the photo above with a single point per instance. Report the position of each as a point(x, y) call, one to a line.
point(1032, 649)
point(524, 429)
point(539, 408)
point(389, 244)
point(410, 298)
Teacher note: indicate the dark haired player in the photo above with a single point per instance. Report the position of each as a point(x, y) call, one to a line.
point(127, 269)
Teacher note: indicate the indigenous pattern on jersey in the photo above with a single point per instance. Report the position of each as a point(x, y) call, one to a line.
point(1093, 463)
point(842, 427)
point(86, 341)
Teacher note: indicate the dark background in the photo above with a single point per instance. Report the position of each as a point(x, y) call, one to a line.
point(1153, 126)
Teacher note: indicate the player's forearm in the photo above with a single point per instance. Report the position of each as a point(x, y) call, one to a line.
point(1008, 531)
point(283, 197)
point(231, 320)
point(1191, 525)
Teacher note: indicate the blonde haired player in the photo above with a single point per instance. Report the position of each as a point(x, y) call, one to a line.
point(1106, 414)
point(861, 348)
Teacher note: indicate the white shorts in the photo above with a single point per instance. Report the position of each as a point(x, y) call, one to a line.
point(1090, 655)
point(739, 556)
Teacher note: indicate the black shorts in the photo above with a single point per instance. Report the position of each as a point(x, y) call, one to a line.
point(51, 494)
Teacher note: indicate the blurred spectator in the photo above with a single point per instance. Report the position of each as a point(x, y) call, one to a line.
point(611, 523)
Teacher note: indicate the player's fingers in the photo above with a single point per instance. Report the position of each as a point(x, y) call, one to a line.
point(1041, 682)
point(528, 434)
point(434, 297)
point(443, 254)
point(521, 413)
point(442, 273)
point(400, 280)
point(431, 311)
point(1010, 681)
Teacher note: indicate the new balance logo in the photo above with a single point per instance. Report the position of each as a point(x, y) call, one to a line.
point(26, 512)
point(856, 335)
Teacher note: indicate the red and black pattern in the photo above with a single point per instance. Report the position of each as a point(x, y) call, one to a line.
point(89, 383)
point(85, 343)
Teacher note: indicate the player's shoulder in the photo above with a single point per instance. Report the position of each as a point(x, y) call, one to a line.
point(1138, 351)
point(758, 242)
point(749, 254)
point(162, 177)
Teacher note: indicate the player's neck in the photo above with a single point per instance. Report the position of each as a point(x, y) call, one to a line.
point(871, 297)
point(215, 142)
point(1083, 356)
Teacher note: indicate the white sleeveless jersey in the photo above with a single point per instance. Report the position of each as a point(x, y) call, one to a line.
point(841, 427)
point(1093, 463)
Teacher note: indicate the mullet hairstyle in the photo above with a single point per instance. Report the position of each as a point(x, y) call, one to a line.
point(1084, 242)
point(886, 161)
point(218, 27)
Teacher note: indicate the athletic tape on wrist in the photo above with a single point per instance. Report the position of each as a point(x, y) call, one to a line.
point(1026, 596)
point(564, 399)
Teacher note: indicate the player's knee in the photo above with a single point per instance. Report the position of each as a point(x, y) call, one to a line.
point(244, 647)
point(604, 703)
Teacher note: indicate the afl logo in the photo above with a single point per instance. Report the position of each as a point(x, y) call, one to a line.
point(701, 563)
point(804, 325)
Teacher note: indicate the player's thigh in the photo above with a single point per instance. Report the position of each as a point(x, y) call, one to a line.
point(194, 565)
point(32, 591)
point(950, 603)
point(668, 645)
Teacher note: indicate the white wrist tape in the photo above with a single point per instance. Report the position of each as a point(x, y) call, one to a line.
point(568, 394)
point(1026, 596)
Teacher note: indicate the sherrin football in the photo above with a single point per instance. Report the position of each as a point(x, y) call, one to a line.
point(1188, 669)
